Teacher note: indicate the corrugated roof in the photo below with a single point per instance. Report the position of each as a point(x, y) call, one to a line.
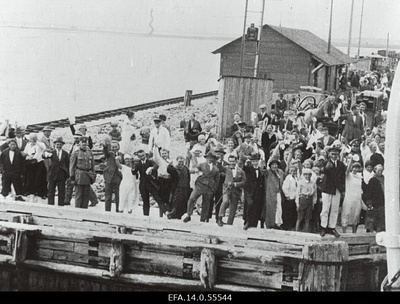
point(310, 42)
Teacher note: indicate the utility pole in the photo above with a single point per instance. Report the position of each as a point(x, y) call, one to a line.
point(387, 46)
point(350, 28)
point(359, 36)
point(330, 29)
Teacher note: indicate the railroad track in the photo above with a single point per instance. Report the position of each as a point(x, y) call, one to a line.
point(62, 123)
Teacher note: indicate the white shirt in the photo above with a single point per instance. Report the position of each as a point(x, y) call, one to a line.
point(289, 187)
point(59, 154)
point(234, 172)
point(160, 137)
point(11, 154)
point(36, 150)
point(19, 142)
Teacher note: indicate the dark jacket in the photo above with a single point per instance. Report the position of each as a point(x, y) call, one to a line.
point(90, 141)
point(288, 126)
point(253, 183)
point(111, 173)
point(353, 130)
point(144, 178)
point(188, 132)
point(14, 168)
point(57, 165)
point(334, 177)
point(374, 194)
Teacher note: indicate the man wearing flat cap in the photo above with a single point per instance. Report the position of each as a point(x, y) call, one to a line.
point(159, 136)
point(12, 168)
point(333, 184)
point(82, 174)
point(58, 171)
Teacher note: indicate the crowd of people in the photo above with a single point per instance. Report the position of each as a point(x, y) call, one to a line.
point(286, 171)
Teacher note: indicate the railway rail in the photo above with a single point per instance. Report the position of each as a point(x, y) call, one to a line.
point(62, 123)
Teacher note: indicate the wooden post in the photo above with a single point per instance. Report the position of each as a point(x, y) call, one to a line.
point(188, 97)
point(208, 268)
point(117, 258)
point(322, 267)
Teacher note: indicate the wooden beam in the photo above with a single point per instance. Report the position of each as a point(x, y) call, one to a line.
point(323, 267)
point(208, 268)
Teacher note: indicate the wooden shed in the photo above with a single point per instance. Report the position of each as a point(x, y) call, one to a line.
point(292, 57)
point(243, 95)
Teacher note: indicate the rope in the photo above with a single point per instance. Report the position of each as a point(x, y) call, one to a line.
point(385, 286)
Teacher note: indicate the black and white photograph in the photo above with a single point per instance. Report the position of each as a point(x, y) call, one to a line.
point(199, 150)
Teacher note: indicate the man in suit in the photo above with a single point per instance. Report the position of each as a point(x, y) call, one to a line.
point(280, 106)
point(326, 140)
point(285, 124)
point(58, 172)
point(235, 179)
point(192, 128)
point(333, 184)
point(81, 169)
point(206, 185)
point(148, 184)
point(19, 137)
point(11, 166)
point(112, 173)
point(238, 135)
point(237, 120)
point(263, 116)
point(253, 192)
point(220, 163)
point(353, 128)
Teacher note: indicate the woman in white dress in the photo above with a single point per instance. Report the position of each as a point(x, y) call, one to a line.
point(127, 144)
point(352, 204)
point(128, 193)
point(36, 182)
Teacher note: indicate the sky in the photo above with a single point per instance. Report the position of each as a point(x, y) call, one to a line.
point(60, 58)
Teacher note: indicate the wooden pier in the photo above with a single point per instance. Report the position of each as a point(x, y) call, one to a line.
point(51, 248)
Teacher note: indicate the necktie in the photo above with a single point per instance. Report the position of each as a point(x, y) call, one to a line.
point(59, 155)
point(257, 173)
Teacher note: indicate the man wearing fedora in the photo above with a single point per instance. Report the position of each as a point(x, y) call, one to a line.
point(11, 167)
point(205, 186)
point(333, 184)
point(253, 191)
point(235, 179)
point(58, 171)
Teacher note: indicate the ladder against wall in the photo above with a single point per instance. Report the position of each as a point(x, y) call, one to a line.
point(251, 38)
